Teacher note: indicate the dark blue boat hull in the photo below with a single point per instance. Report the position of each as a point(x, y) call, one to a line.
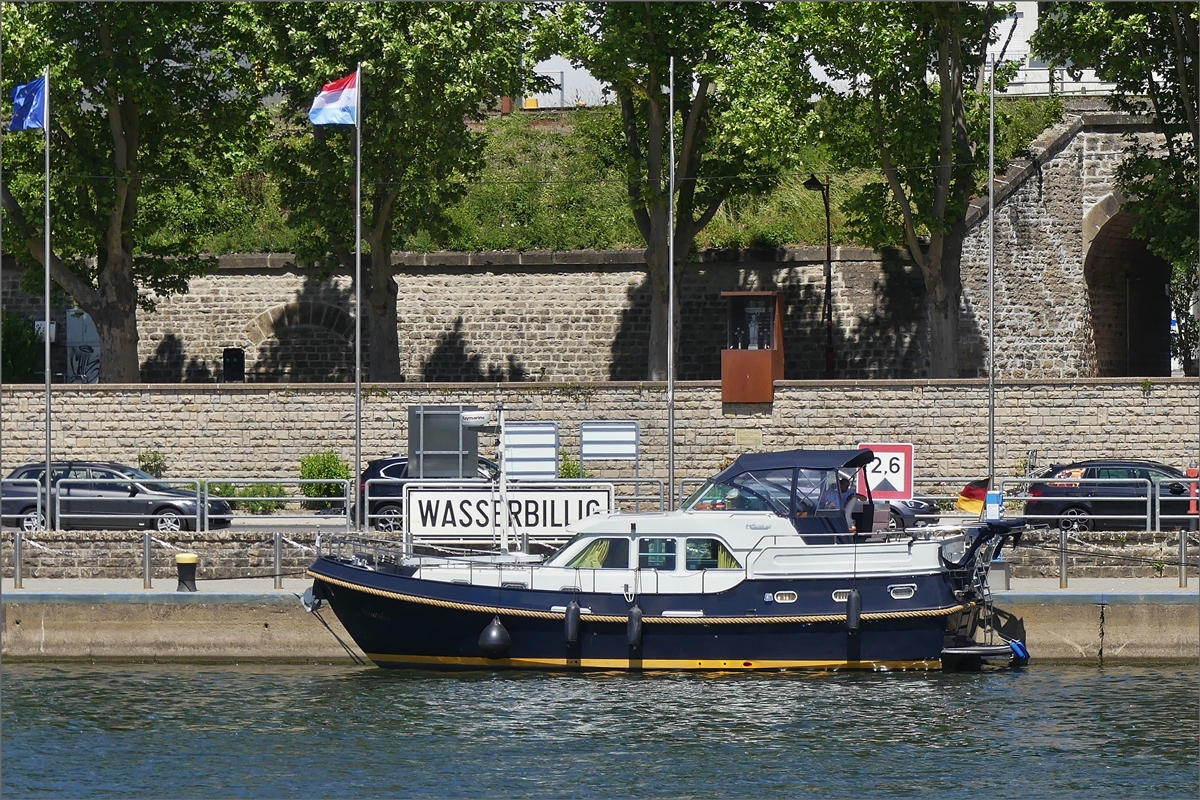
point(399, 621)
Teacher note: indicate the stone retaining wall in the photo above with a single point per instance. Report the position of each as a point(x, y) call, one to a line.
point(244, 554)
point(262, 431)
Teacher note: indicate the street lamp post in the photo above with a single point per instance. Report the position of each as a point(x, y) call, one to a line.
point(813, 184)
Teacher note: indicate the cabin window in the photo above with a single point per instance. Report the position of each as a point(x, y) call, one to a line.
point(709, 554)
point(603, 554)
point(656, 554)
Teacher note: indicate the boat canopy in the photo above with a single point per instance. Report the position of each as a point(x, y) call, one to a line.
point(799, 485)
point(788, 459)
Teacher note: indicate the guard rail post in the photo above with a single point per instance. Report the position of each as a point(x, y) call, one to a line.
point(278, 573)
point(17, 560)
point(1062, 559)
point(146, 576)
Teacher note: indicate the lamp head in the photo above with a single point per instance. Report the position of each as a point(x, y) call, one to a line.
point(813, 184)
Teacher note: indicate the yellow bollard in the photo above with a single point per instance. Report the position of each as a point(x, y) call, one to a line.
point(185, 563)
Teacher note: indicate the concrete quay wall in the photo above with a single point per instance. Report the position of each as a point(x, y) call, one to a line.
point(262, 430)
point(276, 628)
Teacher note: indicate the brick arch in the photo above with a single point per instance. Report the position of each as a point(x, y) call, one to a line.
point(322, 315)
point(306, 342)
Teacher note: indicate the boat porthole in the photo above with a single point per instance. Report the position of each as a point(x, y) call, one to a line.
point(841, 595)
point(785, 597)
point(902, 591)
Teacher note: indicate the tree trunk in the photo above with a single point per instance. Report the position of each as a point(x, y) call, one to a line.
point(379, 294)
point(115, 317)
point(943, 282)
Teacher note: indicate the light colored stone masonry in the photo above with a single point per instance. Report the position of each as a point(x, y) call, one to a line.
point(583, 316)
point(227, 431)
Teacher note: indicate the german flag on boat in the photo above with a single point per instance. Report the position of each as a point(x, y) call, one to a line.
point(973, 495)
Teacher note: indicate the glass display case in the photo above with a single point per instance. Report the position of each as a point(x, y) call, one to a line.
point(753, 356)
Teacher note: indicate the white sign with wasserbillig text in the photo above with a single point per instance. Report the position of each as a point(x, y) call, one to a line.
point(461, 513)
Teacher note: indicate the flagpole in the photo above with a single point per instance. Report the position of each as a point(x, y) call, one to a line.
point(46, 265)
point(358, 294)
point(671, 303)
point(992, 269)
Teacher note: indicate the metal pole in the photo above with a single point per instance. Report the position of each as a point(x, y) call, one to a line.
point(1183, 532)
point(358, 307)
point(992, 269)
point(278, 572)
point(146, 574)
point(1062, 559)
point(46, 265)
point(830, 371)
point(17, 584)
point(671, 297)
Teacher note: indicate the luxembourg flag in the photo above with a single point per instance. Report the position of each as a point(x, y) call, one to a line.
point(337, 104)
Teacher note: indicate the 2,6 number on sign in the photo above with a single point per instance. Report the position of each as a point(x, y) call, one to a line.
point(889, 475)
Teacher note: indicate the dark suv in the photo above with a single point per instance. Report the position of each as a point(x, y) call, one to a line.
point(1079, 496)
point(385, 498)
point(103, 495)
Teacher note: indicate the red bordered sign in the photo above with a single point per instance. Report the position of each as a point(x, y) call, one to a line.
point(890, 474)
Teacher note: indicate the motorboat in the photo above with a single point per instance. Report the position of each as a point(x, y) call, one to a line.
point(769, 565)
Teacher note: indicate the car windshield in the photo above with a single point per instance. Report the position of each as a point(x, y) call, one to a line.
point(145, 479)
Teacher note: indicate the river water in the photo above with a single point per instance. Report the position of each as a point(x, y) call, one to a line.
point(1050, 731)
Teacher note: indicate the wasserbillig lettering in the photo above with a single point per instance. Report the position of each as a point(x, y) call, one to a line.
point(543, 513)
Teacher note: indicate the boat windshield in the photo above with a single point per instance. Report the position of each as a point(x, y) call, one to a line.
point(814, 493)
point(761, 490)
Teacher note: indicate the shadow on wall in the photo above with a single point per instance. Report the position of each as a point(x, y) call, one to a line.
point(310, 340)
point(449, 362)
point(170, 364)
point(884, 334)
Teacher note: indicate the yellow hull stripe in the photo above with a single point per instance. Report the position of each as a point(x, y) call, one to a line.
point(703, 664)
point(867, 616)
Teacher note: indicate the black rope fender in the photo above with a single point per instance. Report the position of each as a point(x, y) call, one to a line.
point(622, 618)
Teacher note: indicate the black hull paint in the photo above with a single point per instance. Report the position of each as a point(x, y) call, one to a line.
point(399, 621)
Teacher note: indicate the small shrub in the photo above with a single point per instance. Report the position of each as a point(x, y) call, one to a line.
point(22, 354)
point(152, 462)
point(325, 465)
point(240, 498)
point(569, 467)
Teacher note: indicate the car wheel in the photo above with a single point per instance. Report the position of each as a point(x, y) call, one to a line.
point(168, 520)
point(32, 520)
point(895, 522)
point(388, 519)
point(1075, 518)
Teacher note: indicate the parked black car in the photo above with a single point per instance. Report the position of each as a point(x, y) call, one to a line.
point(103, 495)
point(915, 513)
point(1064, 495)
point(386, 499)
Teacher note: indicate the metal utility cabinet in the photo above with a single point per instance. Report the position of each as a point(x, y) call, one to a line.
point(753, 356)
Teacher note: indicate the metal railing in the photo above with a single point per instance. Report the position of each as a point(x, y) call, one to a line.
point(292, 504)
point(16, 508)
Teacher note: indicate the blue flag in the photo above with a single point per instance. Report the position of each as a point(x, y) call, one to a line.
point(29, 106)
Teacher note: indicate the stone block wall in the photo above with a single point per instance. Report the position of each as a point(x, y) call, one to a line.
point(262, 430)
point(248, 554)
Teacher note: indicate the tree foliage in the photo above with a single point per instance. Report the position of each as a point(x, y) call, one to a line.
point(23, 348)
point(901, 90)
point(427, 70)
point(735, 127)
point(1148, 51)
point(148, 104)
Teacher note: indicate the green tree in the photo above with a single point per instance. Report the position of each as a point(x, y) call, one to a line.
point(1148, 51)
point(427, 70)
point(147, 103)
point(901, 89)
point(22, 348)
point(736, 129)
